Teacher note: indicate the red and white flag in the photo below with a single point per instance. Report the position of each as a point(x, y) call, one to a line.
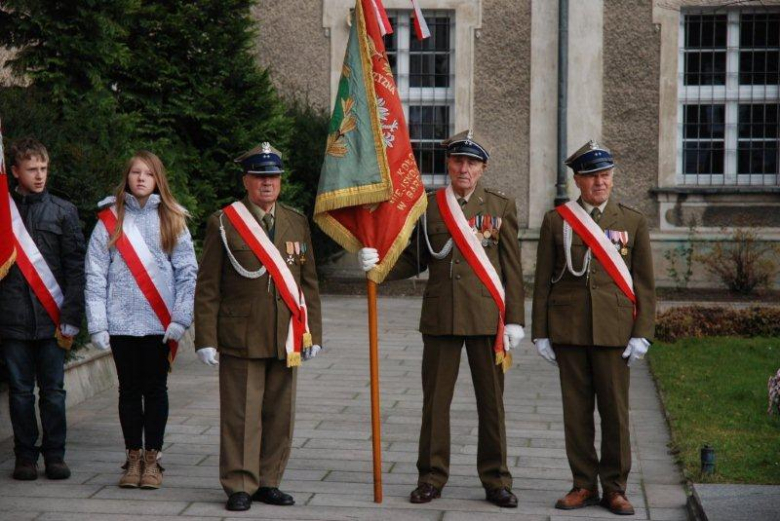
point(420, 25)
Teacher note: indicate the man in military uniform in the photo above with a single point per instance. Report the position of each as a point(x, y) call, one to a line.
point(457, 309)
point(241, 312)
point(585, 322)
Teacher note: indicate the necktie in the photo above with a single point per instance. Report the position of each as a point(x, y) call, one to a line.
point(268, 224)
point(462, 202)
point(596, 214)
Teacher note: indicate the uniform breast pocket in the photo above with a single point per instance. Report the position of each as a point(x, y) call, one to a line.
point(245, 256)
point(438, 235)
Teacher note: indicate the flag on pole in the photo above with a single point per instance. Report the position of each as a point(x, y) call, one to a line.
point(7, 243)
point(370, 192)
point(420, 25)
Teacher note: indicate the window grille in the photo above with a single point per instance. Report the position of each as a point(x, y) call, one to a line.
point(729, 107)
point(424, 74)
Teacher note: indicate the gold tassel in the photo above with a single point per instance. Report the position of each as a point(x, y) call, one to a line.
point(307, 340)
point(293, 359)
point(504, 359)
point(64, 342)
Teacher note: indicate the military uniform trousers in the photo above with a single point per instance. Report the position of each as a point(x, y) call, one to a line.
point(257, 408)
point(590, 376)
point(441, 361)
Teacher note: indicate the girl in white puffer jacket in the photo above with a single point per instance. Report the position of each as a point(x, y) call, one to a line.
point(120, 317)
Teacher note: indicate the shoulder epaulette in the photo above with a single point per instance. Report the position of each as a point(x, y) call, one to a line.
point(629, 208)
point(497, 192)
point(62, 203)
point(287, 206)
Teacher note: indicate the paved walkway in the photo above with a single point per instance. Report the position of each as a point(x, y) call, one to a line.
point(330, 470)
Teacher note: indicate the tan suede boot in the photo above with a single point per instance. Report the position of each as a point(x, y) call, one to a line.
point(132, 476)
point(152, 475)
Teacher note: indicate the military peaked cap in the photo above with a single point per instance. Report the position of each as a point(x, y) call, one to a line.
point(261, 160)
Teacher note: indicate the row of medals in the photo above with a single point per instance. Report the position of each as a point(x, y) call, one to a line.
point(296, 248)
point(486, 229)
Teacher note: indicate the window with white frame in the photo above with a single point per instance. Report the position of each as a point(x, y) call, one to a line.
point(424, 73)
point(729, 105)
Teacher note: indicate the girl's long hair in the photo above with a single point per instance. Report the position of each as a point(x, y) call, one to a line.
point(172, 215)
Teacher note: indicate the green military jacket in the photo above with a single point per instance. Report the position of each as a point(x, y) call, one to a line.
point(247, 317)
point(591, 309)
point(455, 301)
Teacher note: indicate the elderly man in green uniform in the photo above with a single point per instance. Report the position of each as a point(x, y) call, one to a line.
point(255, 320)
point(458, 309)
point(594, 316)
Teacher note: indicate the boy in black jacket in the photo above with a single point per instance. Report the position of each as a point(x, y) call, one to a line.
point(29, 334)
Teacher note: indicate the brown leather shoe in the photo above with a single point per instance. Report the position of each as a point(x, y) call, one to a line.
point(502, 497)
point(617, 503)
point(578, 498)
point(424, 493)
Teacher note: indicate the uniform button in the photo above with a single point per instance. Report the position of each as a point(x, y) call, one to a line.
point(457, 261)
point(457, 277)
point(594, 286)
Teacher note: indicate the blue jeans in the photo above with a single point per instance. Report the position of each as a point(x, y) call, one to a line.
point(28, 361)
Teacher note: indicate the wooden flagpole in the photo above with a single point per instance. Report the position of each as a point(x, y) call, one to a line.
point(376, 436)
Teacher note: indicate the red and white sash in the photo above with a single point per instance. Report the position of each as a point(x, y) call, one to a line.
point(140, 261)
point(472, 250)
point(298, 335)
point(592, 235)
point(37, 273)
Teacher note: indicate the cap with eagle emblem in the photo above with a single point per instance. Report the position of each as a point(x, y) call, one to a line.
point(261, 160)
point(590, 159)
point(467, 144)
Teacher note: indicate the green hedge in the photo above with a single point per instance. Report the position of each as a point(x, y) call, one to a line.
point(700, 322)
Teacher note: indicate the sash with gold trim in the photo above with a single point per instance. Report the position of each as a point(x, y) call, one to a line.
point(38, 274)
point(471, 249)
point(298, 335)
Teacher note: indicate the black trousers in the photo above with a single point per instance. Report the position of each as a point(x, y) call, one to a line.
point(142, 367)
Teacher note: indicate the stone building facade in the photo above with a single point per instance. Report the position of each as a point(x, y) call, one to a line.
point(665, 84)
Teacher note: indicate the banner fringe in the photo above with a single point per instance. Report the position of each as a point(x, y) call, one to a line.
point(5, 268)
point(380, 272)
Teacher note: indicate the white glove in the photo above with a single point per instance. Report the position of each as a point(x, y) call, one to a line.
point(368, 258)
point(545, 350)
point(311, 352)
point(68, 331)
point(513, 334)
point(207, 355)
point(101, 340)
point(174, 332)
point(637, 347)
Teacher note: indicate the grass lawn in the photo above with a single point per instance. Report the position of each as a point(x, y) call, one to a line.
point(715, 391)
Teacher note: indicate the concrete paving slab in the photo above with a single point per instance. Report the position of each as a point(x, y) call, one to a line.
point(330, 470)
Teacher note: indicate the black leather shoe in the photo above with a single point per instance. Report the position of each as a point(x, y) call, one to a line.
point(501, 497)
point(25, 470)
point(239, 501)
point(424, 493)
point(57, 469)
point(273, 496)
